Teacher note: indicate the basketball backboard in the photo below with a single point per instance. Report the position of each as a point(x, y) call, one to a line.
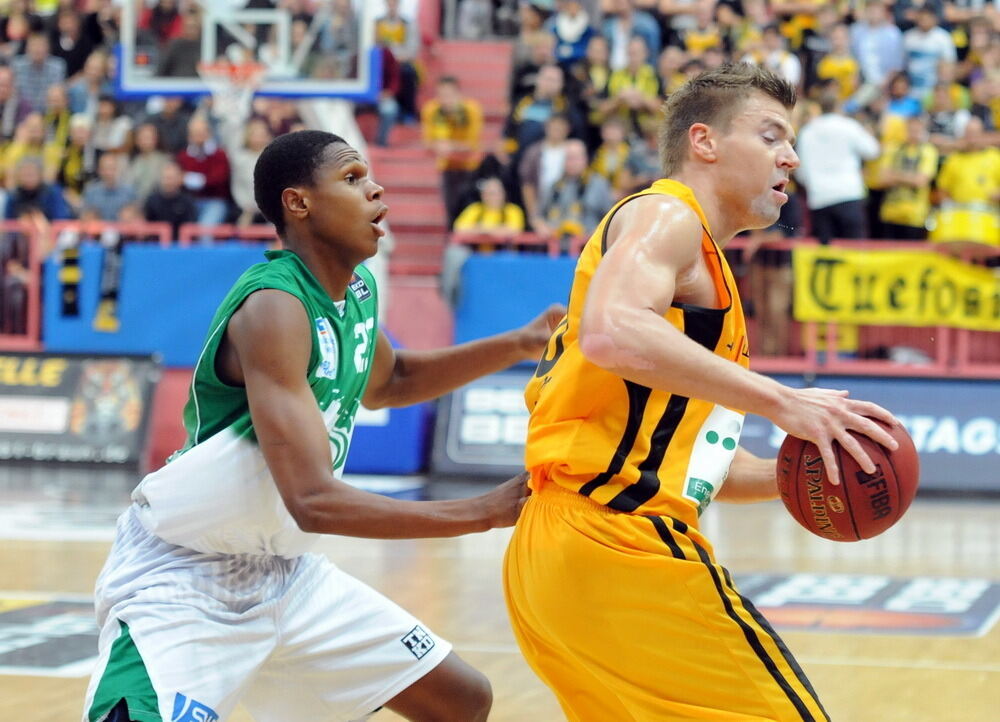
point(328, 52)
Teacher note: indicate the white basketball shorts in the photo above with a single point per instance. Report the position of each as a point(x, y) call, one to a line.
point(185, 636)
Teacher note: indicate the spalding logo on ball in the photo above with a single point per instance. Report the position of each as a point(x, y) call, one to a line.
point(862, 505)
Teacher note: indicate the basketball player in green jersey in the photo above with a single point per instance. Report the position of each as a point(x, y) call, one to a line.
point(210, 596)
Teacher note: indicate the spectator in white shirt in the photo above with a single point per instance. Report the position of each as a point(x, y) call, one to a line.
point(831, 150)
point(927, 46)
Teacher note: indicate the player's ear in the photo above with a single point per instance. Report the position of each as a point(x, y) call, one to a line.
point(295, 202)
point(702, 141)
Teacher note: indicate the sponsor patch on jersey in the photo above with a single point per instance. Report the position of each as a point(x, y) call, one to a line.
point(188, 710)
point(360, 288)
point(327, 367)
point(418, 641)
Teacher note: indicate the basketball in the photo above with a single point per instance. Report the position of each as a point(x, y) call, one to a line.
point(863, 505)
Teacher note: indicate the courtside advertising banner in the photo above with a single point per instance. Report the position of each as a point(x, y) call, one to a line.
point(955, 425)
point(75, 409)
point(893, 288)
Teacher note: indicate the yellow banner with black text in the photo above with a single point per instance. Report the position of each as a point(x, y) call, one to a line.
point(893, 288)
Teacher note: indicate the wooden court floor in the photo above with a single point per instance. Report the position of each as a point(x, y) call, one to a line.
point(454, 586)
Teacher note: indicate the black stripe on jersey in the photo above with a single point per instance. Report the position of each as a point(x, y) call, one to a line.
point(637, 397)
point(766, 626)
point(664, 531)
point(607, 223)
point(705, 328)
point(635, 495)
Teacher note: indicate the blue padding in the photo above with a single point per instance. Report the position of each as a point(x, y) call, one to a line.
point(167, 299)
point(397, 447)
point(501, 291)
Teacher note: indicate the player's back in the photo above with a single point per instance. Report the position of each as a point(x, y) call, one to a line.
point(624, 445)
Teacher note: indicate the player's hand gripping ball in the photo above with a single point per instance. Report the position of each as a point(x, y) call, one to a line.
point(862, 505)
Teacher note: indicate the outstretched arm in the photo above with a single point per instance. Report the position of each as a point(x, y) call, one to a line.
point(400, 378)
point(293, 438)
point(653, 241)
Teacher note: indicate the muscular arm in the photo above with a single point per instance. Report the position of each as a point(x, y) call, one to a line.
point(750, 479)
point(653, 241)
point(400, 378)
point(293, 437)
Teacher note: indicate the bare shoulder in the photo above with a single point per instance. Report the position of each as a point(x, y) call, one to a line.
point(657, 222)
point(270, 324)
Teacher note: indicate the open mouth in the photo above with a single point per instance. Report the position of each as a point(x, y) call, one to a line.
point(780, 186)
point(380, 216)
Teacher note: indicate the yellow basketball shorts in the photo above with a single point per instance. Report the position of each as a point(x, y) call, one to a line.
point(627, 617)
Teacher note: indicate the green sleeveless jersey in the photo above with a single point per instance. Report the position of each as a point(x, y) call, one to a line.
point(343, 342)
point(217, 494)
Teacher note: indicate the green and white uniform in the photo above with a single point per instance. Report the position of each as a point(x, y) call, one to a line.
point(221, 461)
point(208, 582)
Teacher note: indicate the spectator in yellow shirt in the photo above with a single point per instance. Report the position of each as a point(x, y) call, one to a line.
point(907, 172)
point(29, 140)
point(634, 91)
point(969, 182)
point(491, 215)
point(452, 127)
point(839, 65)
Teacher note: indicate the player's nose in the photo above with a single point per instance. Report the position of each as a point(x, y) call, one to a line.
point(375, 191)
point(789, 159)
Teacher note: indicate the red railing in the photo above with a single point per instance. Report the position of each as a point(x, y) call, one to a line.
point(193, 233)
point(949, 351)
point(30, 339)
point(160, 233)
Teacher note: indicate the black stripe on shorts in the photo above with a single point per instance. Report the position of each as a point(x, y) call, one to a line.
point(752, 639)
point(778, 641)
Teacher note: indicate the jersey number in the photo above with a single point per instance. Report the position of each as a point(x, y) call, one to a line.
point(362, 332)
point(545, 364)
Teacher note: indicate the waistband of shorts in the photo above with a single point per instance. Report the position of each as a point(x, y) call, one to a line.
point(553, 494)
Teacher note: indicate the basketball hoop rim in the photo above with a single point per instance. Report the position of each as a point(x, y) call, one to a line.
point(232, 72)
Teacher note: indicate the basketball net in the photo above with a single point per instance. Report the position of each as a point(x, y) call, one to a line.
point(232, 86)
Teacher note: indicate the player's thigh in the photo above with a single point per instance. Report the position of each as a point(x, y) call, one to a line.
point(654, 624)
point(346, 650)
point(172, 661)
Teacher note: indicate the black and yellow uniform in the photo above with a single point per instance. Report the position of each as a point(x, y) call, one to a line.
point(971, 213)
point(614, 593)
point(904, 205)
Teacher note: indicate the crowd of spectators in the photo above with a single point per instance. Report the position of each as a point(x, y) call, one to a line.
point(898, 112)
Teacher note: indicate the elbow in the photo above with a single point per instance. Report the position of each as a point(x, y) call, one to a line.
point(306, 513)
point(305, 518)
point(598, 347)
point(604, 344)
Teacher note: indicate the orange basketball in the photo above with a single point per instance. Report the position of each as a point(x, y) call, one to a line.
point(862, 505)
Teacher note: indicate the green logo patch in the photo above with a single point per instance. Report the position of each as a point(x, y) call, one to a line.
point(700, 491)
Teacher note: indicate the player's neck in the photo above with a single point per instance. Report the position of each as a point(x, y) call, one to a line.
point(331, 271)
point(720, 225)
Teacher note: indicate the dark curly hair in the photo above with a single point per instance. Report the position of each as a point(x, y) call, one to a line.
point(288, 160)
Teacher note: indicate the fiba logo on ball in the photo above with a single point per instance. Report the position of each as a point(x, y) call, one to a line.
point(835, 503)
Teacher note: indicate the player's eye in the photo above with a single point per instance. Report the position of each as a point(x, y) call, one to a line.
point(769, 139)
point(351, 178)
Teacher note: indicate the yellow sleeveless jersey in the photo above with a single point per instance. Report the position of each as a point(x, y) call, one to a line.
point(629, 447)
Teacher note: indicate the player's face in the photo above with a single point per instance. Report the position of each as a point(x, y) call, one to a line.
point(755, 160)
point(347, 206)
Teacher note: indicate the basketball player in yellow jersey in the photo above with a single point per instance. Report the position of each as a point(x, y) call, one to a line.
point(614, 594)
